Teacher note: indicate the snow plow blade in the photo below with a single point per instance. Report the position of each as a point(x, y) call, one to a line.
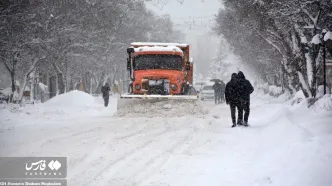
point(129, 100)
point(142, 104)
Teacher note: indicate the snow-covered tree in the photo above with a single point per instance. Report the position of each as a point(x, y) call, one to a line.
point(278, 33)
point(81, 42)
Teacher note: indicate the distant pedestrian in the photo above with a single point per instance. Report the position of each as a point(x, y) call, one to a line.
point(232, 98)
point(106, 93)
point(217, 88)
point(222, 91)
point(245, 89)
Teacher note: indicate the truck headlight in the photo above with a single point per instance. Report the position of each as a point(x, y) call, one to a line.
point(138, 87)
point(174, 87)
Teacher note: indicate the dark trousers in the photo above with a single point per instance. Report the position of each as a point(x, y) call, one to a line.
point(222, 99)
point(246, 109)
point(216, 98)
point(106, 100)
point(239, 110)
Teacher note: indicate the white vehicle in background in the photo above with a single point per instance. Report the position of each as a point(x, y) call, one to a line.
point(207, 92)
point(199, 86)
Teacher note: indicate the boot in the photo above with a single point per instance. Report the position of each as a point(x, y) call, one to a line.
point(234, 125)
point(239, 122)
point(245, 124)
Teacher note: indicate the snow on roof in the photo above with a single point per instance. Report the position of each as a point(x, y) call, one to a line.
point(163, 49)
point(316, 40)
point(159, 44)
point(328, 36)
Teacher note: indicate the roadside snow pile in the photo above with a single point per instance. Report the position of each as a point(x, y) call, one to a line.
point(272, 90)
point(72, 99)
point(167, 108)
point(323, 104)
point(72, 102)
point(298, 98)
point(259, 96)
point(275, 91)
point(320, 103)
point(320, 91)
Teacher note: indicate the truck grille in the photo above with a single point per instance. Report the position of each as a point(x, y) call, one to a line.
point(160, 86)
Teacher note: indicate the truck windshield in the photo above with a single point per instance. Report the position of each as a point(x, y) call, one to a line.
point(158, 61)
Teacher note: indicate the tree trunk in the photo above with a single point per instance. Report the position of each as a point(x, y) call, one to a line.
point(304, 86)
point(60, 80)
point(12, 77)
point(314, 77)
point(61, 83)
point(22, 89)
point(26, 76)
point(100, 83)
point(32, 88)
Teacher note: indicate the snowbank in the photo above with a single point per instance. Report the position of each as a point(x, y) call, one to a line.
point(298, 97)
point(299, 101)
point(73, 99)
point(272, 90)
point(323, 104)
point(74, 104)
point(275, 91)
point(320, 91)
point(261, 96)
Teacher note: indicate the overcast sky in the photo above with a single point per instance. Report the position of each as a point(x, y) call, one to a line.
point(192, 16)
point(195, 18)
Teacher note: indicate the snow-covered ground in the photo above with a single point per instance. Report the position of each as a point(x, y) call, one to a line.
point(285, 145)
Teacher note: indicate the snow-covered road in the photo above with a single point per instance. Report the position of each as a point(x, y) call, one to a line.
point(284, 146)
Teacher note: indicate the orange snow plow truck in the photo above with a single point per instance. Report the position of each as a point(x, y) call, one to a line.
point(159, 71)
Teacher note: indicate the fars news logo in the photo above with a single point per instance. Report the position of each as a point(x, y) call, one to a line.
point(40, 168)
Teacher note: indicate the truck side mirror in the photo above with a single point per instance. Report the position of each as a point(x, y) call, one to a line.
point(128, 63)
point(188, 66)
point(130, 50)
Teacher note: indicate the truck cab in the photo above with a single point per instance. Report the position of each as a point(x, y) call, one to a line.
point(159, 68)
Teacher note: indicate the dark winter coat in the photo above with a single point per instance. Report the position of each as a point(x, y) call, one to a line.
point(245, 87)
point(217, 88)
point(105, 90)
point(232, 90)
point(223, 86)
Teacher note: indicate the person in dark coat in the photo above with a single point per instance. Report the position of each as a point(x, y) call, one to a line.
point(232, 98)
point(217, 88)
point(106, 93)
point(245, 89)
point(222, 91)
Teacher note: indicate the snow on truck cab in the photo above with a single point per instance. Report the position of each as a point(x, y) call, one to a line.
point(159, 70)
